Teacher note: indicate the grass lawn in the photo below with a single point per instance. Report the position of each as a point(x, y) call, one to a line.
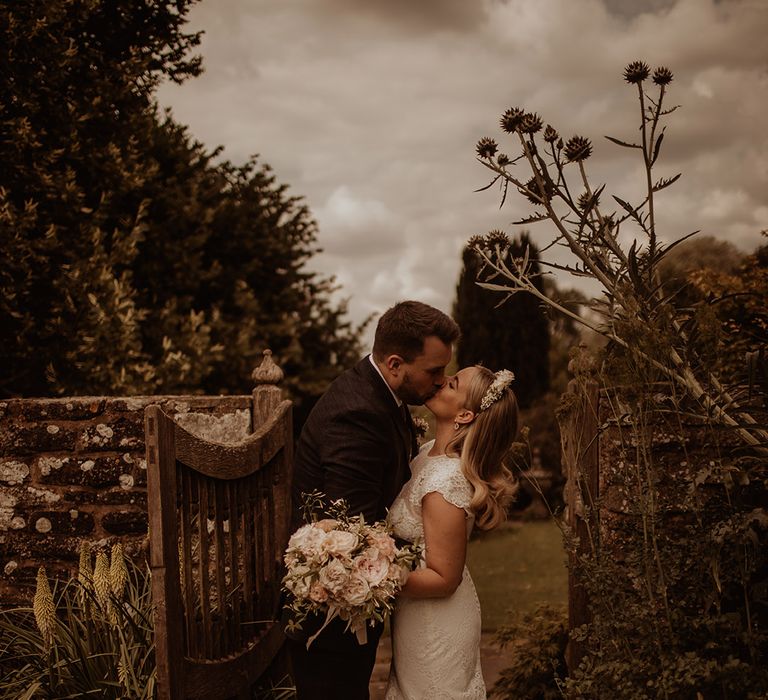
point(516, 568)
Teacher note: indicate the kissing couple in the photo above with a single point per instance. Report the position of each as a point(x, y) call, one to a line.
point(359, 444)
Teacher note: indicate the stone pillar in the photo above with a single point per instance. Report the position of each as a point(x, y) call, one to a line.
point(266, 395)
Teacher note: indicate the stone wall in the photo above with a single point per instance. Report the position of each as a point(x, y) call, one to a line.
point(74, 469)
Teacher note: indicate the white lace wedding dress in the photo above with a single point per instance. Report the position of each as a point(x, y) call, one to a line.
point(435, 641)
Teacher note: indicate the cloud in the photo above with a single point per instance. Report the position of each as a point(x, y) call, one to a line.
point(371, 111)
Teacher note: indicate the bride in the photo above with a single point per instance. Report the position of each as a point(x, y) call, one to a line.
point(458, 480)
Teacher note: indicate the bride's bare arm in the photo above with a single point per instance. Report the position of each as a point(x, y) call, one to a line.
point(445, 537)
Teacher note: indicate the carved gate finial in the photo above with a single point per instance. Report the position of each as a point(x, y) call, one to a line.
point(267, 372)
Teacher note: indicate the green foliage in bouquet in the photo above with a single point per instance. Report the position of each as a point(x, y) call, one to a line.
point(675, 561)
point(92, 637)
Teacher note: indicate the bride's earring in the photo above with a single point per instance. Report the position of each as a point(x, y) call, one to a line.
point(455, 426)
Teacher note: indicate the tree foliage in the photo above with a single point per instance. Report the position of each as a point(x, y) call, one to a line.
point(513, 335)
point(136, 261)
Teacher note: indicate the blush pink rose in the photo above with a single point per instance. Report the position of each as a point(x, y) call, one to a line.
point(317, 593)
point(372, 566)
point(384, 543)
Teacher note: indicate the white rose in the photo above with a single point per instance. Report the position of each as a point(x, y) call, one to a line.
point(355, 593)
point(308, 540)
point(297, 581)
point(340, 543)
point(333, 576)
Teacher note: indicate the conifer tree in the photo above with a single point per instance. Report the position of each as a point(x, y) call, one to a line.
point(512, 335)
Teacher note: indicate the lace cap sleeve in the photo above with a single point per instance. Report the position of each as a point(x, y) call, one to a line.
point(444, 476)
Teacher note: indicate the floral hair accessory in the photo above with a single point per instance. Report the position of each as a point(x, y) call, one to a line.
point(503, 378)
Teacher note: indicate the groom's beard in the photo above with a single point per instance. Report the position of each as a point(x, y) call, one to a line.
point(407, 393)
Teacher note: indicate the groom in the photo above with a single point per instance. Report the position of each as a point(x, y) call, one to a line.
point(356, 445)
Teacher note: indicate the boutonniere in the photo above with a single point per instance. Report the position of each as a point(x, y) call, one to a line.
point(420, 426)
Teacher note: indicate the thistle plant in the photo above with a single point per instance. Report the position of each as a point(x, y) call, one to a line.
point(633, 312)
point(672, 556)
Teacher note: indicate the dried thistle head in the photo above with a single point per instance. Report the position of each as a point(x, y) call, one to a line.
point(588, 201)
point(530, 123)
point(578, 148)
point(101, 584)
point(550, 134)
point(118, 571)
point(533, 187)
point(503, 160)
point(476, 242)
point(662, 76)
point(44, 609)
point(511, 119)
point(636, 72)
point(496, 238)
point(486, 147)
point(84, 571)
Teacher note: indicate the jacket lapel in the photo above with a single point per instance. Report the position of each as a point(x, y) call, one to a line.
point(403, 425)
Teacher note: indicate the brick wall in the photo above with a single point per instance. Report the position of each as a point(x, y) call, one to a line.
point(74, 469)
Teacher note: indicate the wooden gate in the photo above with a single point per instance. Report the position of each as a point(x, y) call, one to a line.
point(219, 518)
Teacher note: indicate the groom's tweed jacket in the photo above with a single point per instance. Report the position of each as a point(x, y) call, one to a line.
point(356, 444)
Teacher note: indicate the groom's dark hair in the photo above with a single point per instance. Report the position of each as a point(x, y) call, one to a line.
point(403, 329)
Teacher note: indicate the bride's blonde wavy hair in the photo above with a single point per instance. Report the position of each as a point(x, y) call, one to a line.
point(484, 446)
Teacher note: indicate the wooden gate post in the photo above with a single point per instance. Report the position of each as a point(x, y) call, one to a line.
point(579, 436)
point(266, 395)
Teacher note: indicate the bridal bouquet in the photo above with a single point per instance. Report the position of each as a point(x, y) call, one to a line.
point(343, 567)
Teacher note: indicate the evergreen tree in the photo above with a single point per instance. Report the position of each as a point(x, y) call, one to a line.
point(134, 260)
point(514, 334)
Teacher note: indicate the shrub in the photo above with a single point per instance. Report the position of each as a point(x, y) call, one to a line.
point(537, 642)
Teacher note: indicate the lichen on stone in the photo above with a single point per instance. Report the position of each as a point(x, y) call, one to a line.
point(104, 430)
point(47, 464)
point(43, 525)
point(13, 472)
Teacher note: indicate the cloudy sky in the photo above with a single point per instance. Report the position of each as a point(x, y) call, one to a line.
point(370, 110)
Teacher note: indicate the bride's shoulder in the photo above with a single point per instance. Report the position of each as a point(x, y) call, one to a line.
point(444, 475)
